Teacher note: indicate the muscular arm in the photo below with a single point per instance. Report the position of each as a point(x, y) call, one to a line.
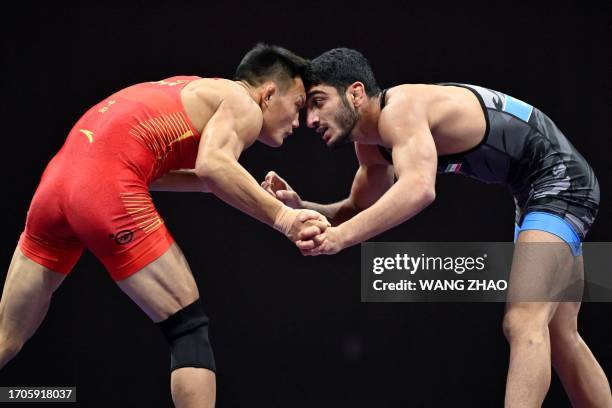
point(234, 126)
point(404, 127)
point(415, 161)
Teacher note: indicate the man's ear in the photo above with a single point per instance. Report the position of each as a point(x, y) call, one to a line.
point(269, 89)
point(356, 93)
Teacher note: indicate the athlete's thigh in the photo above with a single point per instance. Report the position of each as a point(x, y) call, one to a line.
point(164, 286)
point(25, 297)
point(114, 215)
point(543, 268)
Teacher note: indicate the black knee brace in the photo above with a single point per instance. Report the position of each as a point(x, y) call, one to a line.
point(187, 334)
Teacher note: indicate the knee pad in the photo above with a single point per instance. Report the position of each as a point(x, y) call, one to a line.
point(186, 332)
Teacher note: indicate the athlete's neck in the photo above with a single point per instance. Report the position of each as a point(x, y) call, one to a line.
point(256, 96)
point(366, 128)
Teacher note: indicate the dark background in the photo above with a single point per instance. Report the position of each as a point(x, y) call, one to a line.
point(290, 331)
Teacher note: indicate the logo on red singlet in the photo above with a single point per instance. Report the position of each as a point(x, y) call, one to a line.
point(122, 237)
point(170, 83)
point(107, 106)
point(88, 133)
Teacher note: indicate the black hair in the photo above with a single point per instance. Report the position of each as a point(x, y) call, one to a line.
point(266, 62)
point(340, 68)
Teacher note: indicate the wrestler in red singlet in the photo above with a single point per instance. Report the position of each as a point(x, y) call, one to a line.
point(94, 192)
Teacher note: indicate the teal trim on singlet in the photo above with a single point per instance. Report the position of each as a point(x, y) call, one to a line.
point(543, 221)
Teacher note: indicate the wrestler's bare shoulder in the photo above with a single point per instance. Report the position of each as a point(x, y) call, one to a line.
point(202, 97)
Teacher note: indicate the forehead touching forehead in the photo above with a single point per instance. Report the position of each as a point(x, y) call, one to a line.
point(295, 91)
point(297, 87)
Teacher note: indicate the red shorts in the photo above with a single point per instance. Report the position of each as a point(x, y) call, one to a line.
point(94, 192)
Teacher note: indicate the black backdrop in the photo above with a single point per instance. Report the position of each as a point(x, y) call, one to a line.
point(290, 331)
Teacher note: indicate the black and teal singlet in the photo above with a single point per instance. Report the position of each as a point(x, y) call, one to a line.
point(523, 149)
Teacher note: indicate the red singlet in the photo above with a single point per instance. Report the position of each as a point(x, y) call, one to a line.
point(94, 192)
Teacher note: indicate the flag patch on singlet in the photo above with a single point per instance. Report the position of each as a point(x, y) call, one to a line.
point(518, 108)
point(453, 168)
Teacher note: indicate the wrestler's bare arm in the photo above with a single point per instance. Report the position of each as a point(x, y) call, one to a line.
point(233, 128)
point(414, 161)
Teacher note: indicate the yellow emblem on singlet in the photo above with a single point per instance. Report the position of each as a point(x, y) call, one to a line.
point(87, 133)
point(161, 132)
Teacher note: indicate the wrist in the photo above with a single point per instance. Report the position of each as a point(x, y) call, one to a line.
point(283, 219)
point(345, 235)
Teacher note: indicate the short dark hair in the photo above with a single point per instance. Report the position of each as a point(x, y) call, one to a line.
point(266, 62)
point(340, 68)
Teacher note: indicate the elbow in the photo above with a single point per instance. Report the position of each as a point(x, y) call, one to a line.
point(428, 195)
point(208, 167)
point(202, 171)
point(203, 179)
point(423, 190)
point(424, 193)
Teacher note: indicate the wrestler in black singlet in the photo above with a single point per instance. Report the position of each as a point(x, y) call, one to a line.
point(523, 149)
